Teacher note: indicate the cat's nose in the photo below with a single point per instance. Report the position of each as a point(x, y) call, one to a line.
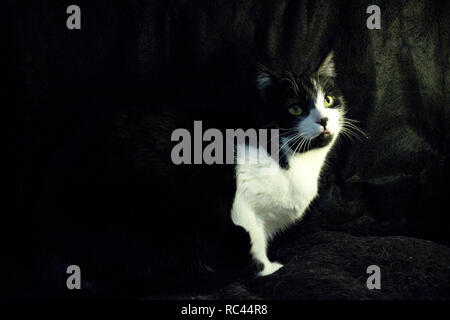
point(323, 122)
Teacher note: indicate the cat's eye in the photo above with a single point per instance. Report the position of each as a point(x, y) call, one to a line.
point(295, 110)
point(328, 101)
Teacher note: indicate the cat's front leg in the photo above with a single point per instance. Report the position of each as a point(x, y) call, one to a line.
point(259, 241)
point(245, 216)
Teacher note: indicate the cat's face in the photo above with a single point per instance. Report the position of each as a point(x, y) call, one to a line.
point(308, 110)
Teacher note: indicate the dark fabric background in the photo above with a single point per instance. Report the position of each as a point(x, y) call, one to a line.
point(396, 80)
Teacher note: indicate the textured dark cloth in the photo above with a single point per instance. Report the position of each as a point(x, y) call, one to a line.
point(64, 85)
point(332, 265)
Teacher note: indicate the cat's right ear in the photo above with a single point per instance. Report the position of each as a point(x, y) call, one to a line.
point(265, 80)
point(326, 68)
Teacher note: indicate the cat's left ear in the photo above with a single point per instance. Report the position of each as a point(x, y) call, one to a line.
point(265, 80)
point(326, 68)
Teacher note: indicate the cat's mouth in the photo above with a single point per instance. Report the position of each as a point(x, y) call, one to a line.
point(325, 133)
point(322, 139)
point(318, 141)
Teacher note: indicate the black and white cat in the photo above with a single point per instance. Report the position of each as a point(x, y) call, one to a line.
point(271, 196)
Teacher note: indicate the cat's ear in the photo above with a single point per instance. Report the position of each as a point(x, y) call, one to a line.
point(326, 68)
point(265, 79)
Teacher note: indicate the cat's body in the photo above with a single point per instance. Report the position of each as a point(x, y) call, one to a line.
point(271, 196)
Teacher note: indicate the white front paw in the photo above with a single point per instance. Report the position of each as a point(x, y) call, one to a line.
point(269, 268)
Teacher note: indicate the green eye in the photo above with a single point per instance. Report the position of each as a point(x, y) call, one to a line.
point(328, 101)
point(295, 110)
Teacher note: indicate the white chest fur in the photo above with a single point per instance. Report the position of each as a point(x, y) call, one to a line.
point(269, 198)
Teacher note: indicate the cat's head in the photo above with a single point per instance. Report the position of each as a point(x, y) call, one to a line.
point(308, 109)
